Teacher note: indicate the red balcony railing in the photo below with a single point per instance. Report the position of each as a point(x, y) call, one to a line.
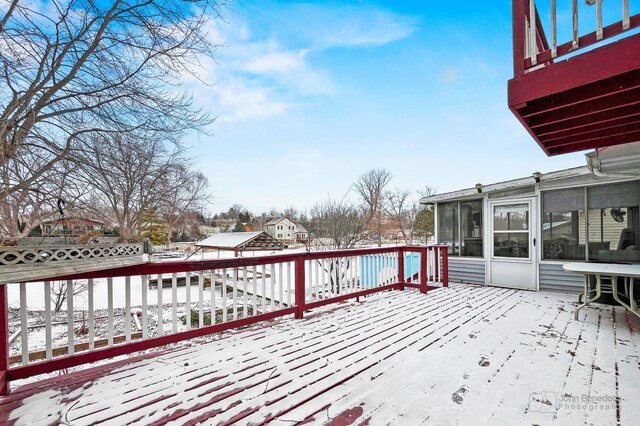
point(544, 31)
point(129, 309)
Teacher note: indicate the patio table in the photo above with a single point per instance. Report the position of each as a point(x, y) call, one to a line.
point(630, 274)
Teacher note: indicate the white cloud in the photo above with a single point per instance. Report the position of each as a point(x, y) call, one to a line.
point(262, 72)
point(278, 62)
point(238, 101)
point(328, 26)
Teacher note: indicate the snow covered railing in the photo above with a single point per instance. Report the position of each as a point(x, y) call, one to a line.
point(82, 318)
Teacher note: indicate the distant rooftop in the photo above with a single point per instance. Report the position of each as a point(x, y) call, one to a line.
point(242, 241)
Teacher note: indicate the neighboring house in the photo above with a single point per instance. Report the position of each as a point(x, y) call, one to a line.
point(282, 229)
point(247, 227)
point(72, 226)
point(302, 235)
point(519, 233)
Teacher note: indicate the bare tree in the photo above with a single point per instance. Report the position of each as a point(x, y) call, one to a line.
point(370, 186)
point(337, 226)
point(129, 174)
point(73, 69)
point(181, 192)
point(399, 210)
point(59, 292)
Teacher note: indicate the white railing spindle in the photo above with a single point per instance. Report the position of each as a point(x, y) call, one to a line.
point(213, 297)
point(575, 43)
point(533, 45)
point(224, 295)
point(160, 304)
point(554, 30)
point(280, 286)
point(200, 299)
point(145, 319)
point(626, 22)
point(91, 308)
point(24, 330)
point(47, 320)
point(264, 289)
point(599, 19)
point(245, 301)
point(273, 288)
point(188, 300)
point(316, 264)
point(110, 311)
point(174, 299)
point(70, 328)
point(254, 274)
point(235, 293)
point(127, 308)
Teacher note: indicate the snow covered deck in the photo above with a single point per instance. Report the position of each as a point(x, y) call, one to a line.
point(458, 354)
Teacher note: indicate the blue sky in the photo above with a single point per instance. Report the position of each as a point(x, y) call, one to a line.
point(310, 95)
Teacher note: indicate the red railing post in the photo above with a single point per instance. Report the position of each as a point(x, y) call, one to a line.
point(423, 270)
point(299, 285)
point(401, 267)
point(445, 266)
point(518, 19)
point(4, 340)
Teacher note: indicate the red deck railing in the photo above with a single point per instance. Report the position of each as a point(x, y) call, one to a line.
point(125, 310)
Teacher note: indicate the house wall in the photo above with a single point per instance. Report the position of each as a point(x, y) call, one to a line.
point(287, 233)
point(553, 278)
point(465, 270)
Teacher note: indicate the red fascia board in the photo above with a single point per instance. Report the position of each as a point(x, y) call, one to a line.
point(590, 67)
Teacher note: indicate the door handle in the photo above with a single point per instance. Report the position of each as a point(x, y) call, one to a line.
point(534, 242)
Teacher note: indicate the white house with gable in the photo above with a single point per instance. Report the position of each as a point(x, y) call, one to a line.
point(282, 229)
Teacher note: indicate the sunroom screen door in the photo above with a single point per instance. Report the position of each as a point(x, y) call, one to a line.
point(512, 244)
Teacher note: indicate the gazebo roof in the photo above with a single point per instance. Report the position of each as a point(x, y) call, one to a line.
point(242, 241)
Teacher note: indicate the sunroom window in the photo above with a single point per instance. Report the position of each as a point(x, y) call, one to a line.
point(613, 222)
point(609, 232)
point(563, 224)
point(460, 227)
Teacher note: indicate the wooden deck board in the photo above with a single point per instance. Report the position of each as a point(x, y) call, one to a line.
point(393, 358)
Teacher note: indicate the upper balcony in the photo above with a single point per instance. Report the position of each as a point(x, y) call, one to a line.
point(576, 82)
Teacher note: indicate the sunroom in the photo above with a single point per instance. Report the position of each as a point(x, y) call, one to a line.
point(519, 233)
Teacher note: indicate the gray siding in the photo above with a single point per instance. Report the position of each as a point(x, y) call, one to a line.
point(466, 271)
point(554, 278)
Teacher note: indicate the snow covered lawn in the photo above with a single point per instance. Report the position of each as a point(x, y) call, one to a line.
point(458, 355)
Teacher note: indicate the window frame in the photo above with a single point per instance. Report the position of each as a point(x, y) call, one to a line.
point(458, 228)
point(584, 223)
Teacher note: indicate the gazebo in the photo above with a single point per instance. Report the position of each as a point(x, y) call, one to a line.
point(242, 241)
